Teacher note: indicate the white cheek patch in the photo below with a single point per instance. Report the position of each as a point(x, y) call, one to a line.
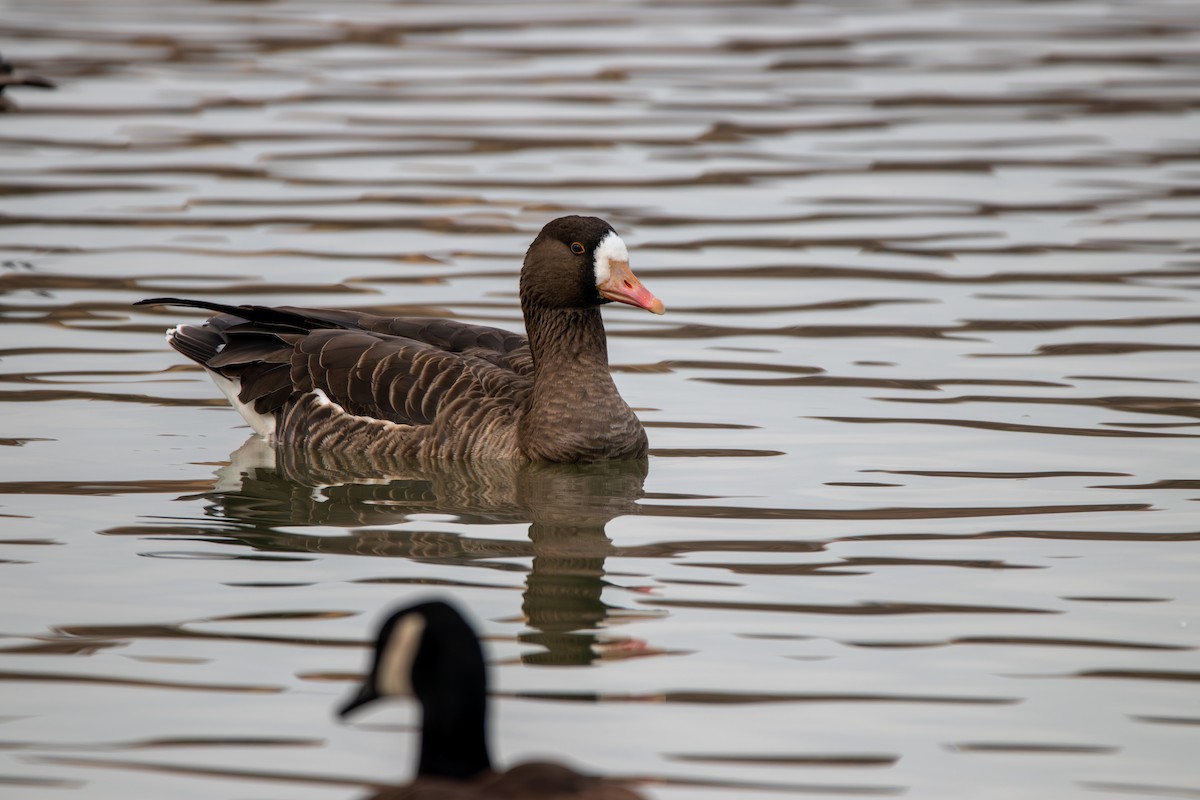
point(611, 249)
point(394, 676)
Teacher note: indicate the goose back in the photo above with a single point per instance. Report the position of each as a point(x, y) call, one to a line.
point(535, 780)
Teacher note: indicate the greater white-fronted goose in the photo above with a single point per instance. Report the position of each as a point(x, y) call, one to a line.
point(429, 651)
point(437, 388)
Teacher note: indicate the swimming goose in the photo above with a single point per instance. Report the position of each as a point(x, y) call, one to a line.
point(437, 388)
point(429, 651)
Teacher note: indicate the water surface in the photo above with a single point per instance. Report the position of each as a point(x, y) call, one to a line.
point(921, 512)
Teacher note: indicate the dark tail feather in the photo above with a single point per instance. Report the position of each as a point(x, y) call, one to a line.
point(198, 344)
point(220, 308)
point(262, 315)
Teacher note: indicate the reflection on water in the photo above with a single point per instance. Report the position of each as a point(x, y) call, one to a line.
point(567, 506)
point(920, 512)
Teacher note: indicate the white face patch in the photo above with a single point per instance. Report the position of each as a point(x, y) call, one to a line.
point(611, 249)
point(394, 676)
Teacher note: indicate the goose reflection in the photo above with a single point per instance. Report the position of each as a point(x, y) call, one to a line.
point(567, 506)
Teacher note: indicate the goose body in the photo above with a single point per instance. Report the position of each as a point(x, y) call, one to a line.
point(436, 388)
point(429, 651)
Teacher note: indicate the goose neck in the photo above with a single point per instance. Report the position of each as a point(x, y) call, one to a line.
point(454, 735)
point(567, 341)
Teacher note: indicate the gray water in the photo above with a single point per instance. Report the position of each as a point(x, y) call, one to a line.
point(921, 513)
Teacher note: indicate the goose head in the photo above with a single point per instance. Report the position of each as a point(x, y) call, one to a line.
point(581, 262)
point(428, 651)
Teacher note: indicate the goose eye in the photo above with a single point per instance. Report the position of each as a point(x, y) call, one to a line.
point(577, 248)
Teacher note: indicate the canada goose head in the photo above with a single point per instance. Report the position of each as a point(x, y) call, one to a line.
point(581, 262)
point(428, 651)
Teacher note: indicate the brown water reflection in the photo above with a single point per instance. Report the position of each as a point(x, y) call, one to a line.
point(567, 507)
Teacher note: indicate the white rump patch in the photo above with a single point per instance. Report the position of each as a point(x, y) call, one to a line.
point(324, 400)
point(171, 333)
point(611, 249)
point(394, 675)
point(263, 424)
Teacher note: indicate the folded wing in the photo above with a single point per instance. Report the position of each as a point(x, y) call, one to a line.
point(401, 371)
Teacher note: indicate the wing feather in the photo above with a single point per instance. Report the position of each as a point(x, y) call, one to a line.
point(409, 371)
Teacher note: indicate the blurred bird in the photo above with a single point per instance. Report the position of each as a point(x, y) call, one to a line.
point(429, 651)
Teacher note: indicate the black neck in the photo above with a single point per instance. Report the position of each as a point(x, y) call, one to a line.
point(454, 742)
point(449, 679)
